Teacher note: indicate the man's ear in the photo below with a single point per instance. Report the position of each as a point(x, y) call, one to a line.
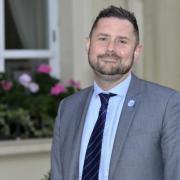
point(87, 43)
point(137, 52)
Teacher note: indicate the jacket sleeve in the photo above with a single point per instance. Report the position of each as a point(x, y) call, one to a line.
point(56, 170)
point(170, 141)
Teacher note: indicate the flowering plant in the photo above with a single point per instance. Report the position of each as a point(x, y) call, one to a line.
point(29, 105)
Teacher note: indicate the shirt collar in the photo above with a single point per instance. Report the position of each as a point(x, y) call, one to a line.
point(120, 89)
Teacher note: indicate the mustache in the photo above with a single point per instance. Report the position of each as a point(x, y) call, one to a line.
point(112, 55)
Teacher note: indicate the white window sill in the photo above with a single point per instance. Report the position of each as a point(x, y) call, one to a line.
point(17, 147)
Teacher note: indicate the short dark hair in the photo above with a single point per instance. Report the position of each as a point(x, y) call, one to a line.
point(118, 12)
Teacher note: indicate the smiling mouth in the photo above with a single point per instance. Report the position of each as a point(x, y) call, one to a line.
point(108, 60)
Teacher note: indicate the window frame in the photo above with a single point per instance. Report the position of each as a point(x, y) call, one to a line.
point(52, 54)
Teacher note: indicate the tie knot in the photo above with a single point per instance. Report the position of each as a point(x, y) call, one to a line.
point(105, 97)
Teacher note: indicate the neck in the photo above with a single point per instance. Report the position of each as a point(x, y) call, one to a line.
point(109, 82)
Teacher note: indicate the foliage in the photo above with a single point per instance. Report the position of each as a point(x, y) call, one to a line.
point(29, 105)
point(46, 177)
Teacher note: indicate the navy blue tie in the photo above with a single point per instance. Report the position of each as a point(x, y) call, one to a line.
point(93, 152)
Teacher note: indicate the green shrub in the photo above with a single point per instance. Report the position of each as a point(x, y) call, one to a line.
point(29, 105)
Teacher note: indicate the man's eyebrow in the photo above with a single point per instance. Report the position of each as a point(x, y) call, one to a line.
point(123, 37)
point(102, 34)
point(107, 35)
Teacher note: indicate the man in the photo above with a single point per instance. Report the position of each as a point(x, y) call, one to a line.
point(132, 135)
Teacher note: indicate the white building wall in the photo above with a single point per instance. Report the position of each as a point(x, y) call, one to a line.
point(24, 159)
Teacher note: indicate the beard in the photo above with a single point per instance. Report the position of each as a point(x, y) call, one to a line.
point(106, 69)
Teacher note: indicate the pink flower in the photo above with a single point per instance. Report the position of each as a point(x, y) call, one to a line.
point(74, 83)
point(6, 85)
point(25, 79)
point(44, 68)
point(57, 89)
point(33, 87)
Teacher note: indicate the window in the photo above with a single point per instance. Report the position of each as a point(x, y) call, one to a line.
point(28, 36)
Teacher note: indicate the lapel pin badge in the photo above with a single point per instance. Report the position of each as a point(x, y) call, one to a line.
point(131, 103)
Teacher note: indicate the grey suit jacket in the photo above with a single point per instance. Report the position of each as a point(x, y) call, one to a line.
point(147, 142)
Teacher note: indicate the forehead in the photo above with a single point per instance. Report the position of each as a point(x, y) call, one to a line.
point(114, 25)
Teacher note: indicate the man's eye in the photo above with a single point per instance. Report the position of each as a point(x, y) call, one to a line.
point(102, 38)
point(122, 41)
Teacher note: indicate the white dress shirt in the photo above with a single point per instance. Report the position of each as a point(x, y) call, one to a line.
point(112, 118)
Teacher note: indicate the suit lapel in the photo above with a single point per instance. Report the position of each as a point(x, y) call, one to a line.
point(127, 115)
point(83, 107)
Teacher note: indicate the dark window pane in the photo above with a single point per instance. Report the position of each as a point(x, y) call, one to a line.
point(26, 24)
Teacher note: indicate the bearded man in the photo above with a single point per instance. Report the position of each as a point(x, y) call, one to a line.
point(122, 127)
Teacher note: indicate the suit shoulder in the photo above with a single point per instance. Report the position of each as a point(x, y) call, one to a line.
point(157, 89)
point(79, 95)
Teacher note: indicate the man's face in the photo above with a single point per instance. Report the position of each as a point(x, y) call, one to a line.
point(112, 48)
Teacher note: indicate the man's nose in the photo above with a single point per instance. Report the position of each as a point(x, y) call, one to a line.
point(111, 46)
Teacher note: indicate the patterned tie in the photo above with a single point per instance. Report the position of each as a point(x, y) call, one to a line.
point(93, 152)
